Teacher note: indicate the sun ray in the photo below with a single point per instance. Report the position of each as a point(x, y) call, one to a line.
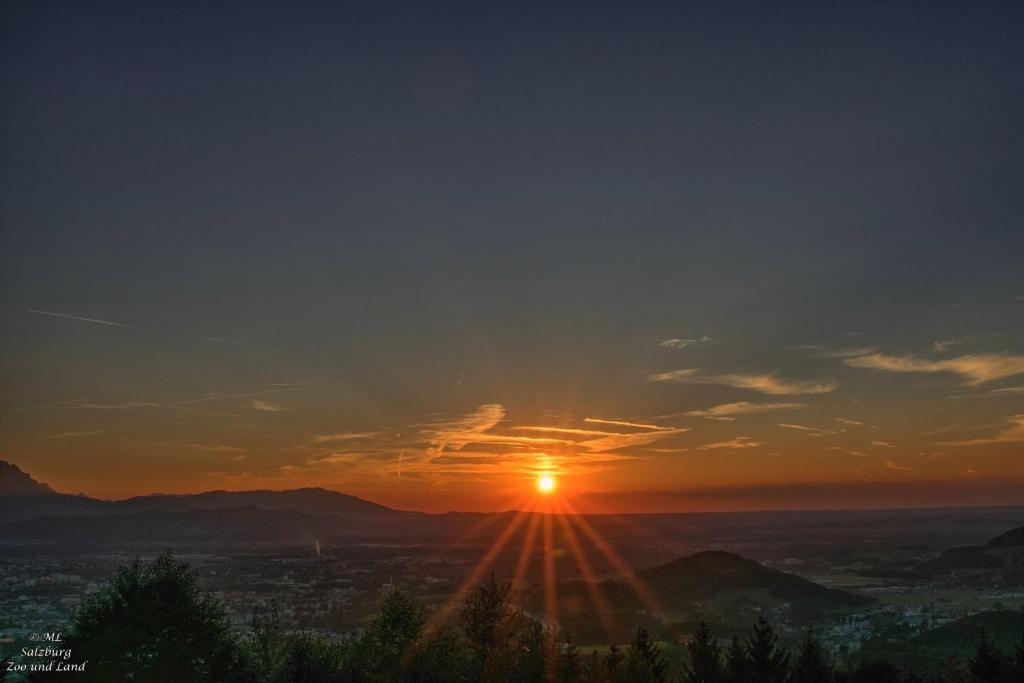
point(597, 599)
point(628, 575)
point(550, 596)
point(482, 525)
point(526, 552)
point(444, 612)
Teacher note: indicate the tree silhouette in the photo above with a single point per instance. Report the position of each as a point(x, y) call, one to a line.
point(811, 665)
point(737, 666)
point(614, 662)
point(1017, 661)
point(268, 646)
point(570, 667)
point(490, 624)
point(645, 663)
point(313, 660)
point(152, 622)
point(705, 658)
point(767, 662)
point(534, 654)
point(987, 664)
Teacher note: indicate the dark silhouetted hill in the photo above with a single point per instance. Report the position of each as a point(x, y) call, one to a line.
point(708, 574)
point(25, 498)
point(929, 652)
point(14, 482)
point(963, 557)
point(22, 497)
point(314, 501)
point(1011, 539)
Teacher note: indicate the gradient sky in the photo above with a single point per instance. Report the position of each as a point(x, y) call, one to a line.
point(727, 256)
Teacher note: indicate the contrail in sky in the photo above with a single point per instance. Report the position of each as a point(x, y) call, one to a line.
point(77, 317)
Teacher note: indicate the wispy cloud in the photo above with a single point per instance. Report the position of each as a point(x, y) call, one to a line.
point(812, 431)
point(883, 444)
point(75, 435)
point(738, 442)
point(459, 431)
point(844, 449)
point(943, 345)
point(568, 431)
point(1012, 434)
point(896, 466)
point(621, 423)
point(764, 383)
point(727, 411)
point(266, 406)
point(80, 318)
point(824, 352)
point(852, 423)
point(221, 397)
point(847, 353)
point(614, 442)
point(90, 404)
point(569, 447)
point(976, 369)
point(196, 445)
point(343, 436)
point(680, 343)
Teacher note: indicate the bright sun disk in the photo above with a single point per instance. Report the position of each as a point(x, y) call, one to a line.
point(546, 484)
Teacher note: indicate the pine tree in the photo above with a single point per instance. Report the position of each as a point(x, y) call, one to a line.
point(614, 663)
point(594, 668)
point(736, 664)
point(811, 665)
point(532, 658)
point(1017, 663)
point(569, 665)
point(768, 663)
point(986, 665)
point(645, 663)
point(489, 622)
point(705, 658)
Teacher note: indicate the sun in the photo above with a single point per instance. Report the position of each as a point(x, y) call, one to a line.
point(546, 484)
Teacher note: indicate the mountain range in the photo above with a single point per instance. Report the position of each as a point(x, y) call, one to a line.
point(22, 498)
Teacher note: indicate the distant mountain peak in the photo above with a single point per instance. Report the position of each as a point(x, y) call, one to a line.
point(710, 572)
point(15, 482)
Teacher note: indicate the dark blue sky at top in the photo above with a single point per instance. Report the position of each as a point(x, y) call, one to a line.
point(403, 192)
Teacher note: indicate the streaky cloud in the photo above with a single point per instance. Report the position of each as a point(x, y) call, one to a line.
point(726, 411)
point(267, 406)
point(679, 343)
point(616, 441)
point(764, 383)
point(343, 436)
point(76, 435)
point(1012, 434)
point(622, 423)
point(68, 316)
point(90, 404)
point(976, 369)
point(813, 431)
point(247, 394)
point(738, 442)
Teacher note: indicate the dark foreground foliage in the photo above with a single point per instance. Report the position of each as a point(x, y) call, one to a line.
point(152, 622)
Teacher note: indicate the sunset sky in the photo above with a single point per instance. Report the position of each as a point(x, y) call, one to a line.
point(679, 256)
